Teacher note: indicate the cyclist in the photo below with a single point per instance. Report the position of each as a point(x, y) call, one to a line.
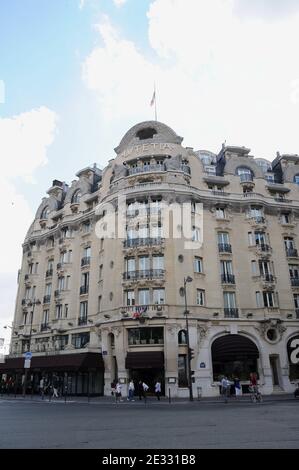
point(255, 393)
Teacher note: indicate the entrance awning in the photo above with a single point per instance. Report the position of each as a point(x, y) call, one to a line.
point(233, 347)
point(59, 361)
point(145, 360)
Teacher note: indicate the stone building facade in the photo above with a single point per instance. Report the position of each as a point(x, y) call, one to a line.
point(99, 301)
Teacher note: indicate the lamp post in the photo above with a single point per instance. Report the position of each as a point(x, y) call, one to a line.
point(188, 279)
point(31, 303)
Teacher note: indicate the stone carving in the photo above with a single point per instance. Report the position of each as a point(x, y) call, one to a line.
point(271, 330)
point(171, 329)
point(202, 331)
point(173, 163)
point(116, 330)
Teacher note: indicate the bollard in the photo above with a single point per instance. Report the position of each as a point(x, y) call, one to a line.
point(169, 396)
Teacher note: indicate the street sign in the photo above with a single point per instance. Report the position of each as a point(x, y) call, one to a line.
point(202, 365)
point(27, 364)
point(28, 355)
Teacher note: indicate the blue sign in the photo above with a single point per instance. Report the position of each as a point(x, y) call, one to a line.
point(202, 365)
point(28, 355)
point(104, 353)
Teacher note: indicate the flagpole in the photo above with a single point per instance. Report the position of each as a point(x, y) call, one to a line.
point(155, 102)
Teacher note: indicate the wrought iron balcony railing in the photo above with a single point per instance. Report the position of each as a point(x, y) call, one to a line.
point(148, 241)
point(231, 313)
point(263, 247)
point(291, 252)
point(144, 274)
point(85, 261)
point(295, 281)
point(82, 321)
point(47, 299)
point(146, 169)
point(268, 278)
point(227, 278)
point(44, 327)
point(49, 273)
point(245, 178)
point(224, 248)
point(83, 290)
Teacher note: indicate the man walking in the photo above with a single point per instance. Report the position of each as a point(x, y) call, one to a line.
point(158, 390)
point(131, 391)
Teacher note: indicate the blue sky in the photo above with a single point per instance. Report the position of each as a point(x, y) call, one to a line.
point(79, 73)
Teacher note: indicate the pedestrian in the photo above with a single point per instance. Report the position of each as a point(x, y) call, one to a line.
point(225, 388)
point(253, 382)
point(158, 389)
point(118, 396)
point(131, 391)
point(42, 387)
point(145, 389)
point(55, 388)
point(238, 389)
point(140, 390)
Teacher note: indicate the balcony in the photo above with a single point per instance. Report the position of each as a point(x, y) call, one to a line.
point(246, 178)
point(47, 299)
point(224, 248)
point(82, 321)
point(27, 277)
point(57, 293)
point(146, 169)
point(24, 302)
point(268, 278)
point(59, 266)
point(135, 242)
point(144, 274)
point(44, 327)
point(231, 313)
point(83, 290)
point(227, 279)
point(258, 220)
point(263, 247)
point(49, 273)
point(295, 281)
point(291, 253)
point(85, 261)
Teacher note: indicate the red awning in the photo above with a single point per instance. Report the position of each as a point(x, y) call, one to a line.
point(59, 361)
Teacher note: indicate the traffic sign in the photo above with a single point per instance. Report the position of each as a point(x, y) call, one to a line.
point(28, 355)
point(27, 364)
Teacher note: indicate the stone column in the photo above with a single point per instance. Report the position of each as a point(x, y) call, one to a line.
point(171, 359)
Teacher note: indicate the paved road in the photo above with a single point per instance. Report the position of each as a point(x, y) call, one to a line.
point(55, 425)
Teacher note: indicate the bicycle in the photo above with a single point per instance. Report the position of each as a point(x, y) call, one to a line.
point(256, 395)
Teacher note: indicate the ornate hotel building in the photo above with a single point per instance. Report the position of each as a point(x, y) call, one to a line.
point(94, 308)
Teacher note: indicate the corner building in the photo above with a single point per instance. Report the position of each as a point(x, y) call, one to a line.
point(114, 307)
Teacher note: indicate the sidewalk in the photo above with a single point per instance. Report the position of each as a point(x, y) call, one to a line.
point(150, 400)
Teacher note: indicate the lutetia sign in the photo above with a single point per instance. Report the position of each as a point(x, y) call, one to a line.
point(143, 148)
point(293, 350)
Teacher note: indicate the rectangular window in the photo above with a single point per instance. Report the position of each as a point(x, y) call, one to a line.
point(48, 289)
point(36, 268)
point(294, 271)
point(85, 280)
point(289, 243)
point(220, 213)
point(296, 301)
point(229, 300)
point(27, 293)
point(254, 268)
point(130, 297)
point(50, 265)
point(25, 314)
point(86, 227)
point(70, 256)
point(144, 263)
point(158, 262)
point(99, 303)
point(130, 264)
point(265, 269)
point(87, 252)
point(258, 298)
point(80, 340)
point(198, 264)
point(285, 218)
point(143, 232)
point(68, 282)
point(200, 297)
point(269, 299)
point(83, 310)
point(66, 310)
point(101, 272)
point(143, 297)
point(159, 296)
point(58, 311)
point(61, 283)
point(226, 267)
point(45, 316)
point(145, 335)
point(30, 269)
point(195, 234)
point(260, 238)
point(223, 238)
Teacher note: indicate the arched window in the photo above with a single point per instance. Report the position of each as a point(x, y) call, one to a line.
point(76, 197)
point(45, 213)
point(182, 337)
point(246, 174)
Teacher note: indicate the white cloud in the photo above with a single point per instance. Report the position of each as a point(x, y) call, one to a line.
point(219, 76)
point(82, 4)
point(119, 3)
point(24, 140)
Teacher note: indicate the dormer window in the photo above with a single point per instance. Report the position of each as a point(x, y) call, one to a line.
point(147, 133)
point(245, 174)
point(45, 213)
point(76, 197)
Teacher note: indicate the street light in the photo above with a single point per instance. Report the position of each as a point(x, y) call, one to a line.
point(31, 303)
point(188, 279)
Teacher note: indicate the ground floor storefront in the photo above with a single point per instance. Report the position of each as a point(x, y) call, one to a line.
point(73, 374)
